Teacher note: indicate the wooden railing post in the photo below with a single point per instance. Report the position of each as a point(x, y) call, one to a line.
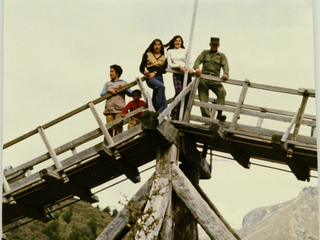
point(260, 120)
point(6, 188)
point(178, 98)
point(192, 95)
point(313, 131)
point(145, 94)
point(299, 117)
point(52, 153)
point(287, 132)
point(49, 148)
point(101, 125)
point(240, 103)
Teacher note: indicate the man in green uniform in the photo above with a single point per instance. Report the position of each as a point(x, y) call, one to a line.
point(212, 61)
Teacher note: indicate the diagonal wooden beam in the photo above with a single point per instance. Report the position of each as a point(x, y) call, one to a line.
point(205, 216)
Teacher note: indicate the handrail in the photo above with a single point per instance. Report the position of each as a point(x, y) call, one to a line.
point(65, 116)
point(299, 91)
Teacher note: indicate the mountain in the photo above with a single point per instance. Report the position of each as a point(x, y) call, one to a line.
point(296, 219)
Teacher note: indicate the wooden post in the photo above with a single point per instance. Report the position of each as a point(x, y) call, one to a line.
point(239, 105)
point(185, 77)
point(6, 186)
point(286, 134)
point(193, 91)
point(313, 131)
point(178, 98)
point(52, 153)
point(101, 125)
point(146, 95)
point(160, 196)
point(50, 149)
point(29, 173)
point(185, 222)
point(74, 151)
point(299, 117)
point(260, 120)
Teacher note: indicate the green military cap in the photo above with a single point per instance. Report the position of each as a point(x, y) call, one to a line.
point(215, 40)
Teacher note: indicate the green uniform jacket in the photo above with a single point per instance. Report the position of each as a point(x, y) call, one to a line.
point(212, 63)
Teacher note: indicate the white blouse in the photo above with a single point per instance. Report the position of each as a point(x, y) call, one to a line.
point(177, 57)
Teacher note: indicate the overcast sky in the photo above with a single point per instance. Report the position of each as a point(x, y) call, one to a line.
point(57, 56)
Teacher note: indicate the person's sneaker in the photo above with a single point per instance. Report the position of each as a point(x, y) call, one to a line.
point(221, 117)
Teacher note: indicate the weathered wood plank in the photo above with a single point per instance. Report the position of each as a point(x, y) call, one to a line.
point(178, 98)
point(100, 123)
point(119, 223)
point(256, 85)
point(48, 146)
point(191, 99)
point(145, 94)
point(157, 205)
point(190, 152)
point(254, 113)
point(161, 193)
point(299, 117)
point(14, 172)
point(75, 159)
point(49, 176)
point(164, 133)
point(237, 111)
point(209, 221)
point(267, 110)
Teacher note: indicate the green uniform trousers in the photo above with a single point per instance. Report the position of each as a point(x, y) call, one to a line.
point(203, 92)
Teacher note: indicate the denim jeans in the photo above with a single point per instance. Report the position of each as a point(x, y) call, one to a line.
point(159, 100)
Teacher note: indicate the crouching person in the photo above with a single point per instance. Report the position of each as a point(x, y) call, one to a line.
point(133, 105)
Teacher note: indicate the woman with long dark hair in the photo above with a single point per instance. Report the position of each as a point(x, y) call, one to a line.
point(153, 65)
point(177, 54)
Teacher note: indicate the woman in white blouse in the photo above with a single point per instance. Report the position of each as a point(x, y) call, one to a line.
point(176, 57)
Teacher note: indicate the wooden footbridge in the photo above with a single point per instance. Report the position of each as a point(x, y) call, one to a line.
point(180, 148)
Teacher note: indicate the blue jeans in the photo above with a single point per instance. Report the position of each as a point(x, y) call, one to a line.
point(159, 100)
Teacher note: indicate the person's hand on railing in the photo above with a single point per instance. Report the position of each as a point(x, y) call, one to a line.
point(113, 91)
point(182, 69)
point(198, 72)
point(151, 75)
point(224, 77)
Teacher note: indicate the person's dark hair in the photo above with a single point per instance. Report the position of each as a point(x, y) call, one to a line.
point(117, 69)
point(170, 45)
point(151, 49)
point(136, 91)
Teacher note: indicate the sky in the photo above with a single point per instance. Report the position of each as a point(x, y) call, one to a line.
point(57, 56)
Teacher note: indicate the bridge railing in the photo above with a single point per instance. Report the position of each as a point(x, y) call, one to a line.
point(25, 168)
point(295, 120)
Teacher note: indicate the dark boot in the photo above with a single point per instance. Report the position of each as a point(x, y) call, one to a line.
point(220, 116)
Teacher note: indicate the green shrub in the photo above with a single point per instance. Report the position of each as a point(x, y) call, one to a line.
point(68, 215)
point(114, 213)
point(107, 210)
point(52, 230)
